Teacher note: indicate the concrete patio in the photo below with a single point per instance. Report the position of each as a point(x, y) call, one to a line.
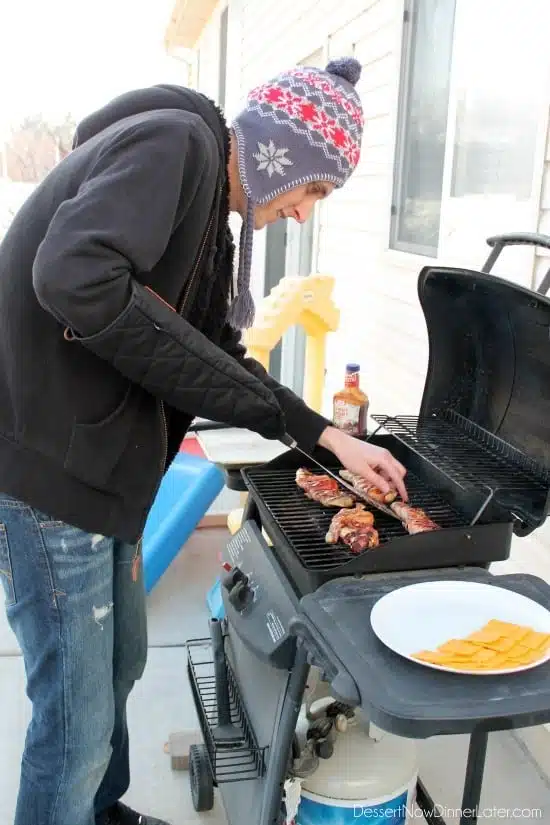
point(514, 787)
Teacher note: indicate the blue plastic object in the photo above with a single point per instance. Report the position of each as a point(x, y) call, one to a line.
point(214, 601)
point(188, 488)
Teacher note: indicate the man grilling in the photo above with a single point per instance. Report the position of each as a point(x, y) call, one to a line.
point(119, 324)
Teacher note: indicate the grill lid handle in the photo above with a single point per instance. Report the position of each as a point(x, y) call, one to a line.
point(498, 242)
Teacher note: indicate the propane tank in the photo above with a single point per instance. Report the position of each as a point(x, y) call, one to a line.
point(360, 772)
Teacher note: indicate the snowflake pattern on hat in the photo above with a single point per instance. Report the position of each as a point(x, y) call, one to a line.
point(271, 159)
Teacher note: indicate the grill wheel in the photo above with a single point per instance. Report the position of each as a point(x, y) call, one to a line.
point(200, 778)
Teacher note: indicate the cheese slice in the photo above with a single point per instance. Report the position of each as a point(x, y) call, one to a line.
point(496, 646)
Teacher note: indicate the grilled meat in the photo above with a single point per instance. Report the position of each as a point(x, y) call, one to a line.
point(383, 498)
point(322, 488)
point(356, 517)
point(368, 490)
point(360, 539)
point(414, 520)
point(355, 528)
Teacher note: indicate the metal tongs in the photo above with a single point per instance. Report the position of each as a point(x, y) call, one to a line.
point(289, 442)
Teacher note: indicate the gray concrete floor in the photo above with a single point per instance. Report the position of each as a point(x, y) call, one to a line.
point(161, 705)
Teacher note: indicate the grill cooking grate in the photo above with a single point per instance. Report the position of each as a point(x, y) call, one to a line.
point(304, 522)
point(466, 453)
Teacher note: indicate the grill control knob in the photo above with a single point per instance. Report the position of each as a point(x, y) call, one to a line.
point(234, 577)
point(240, 595)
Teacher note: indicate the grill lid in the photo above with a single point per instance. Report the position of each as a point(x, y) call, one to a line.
point(489, 375)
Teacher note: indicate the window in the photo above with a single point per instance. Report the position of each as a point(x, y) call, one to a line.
point(470, 122)
point(422, 119)
point(497, 79)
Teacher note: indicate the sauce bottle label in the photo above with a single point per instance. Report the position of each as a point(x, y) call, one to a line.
point(348, 417)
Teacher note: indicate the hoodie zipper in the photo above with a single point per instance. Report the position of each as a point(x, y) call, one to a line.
point(181, 308)
point(197, 262)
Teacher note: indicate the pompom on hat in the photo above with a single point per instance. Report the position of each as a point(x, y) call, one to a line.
point(303, 126)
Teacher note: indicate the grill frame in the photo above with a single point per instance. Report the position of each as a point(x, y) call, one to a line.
point(464, 544)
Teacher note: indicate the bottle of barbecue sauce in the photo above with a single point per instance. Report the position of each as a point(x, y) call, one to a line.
point(351, 405)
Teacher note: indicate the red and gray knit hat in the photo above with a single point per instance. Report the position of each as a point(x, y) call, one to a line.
point(305, 125)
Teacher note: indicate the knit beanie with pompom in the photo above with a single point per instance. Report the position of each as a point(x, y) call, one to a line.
point(303, 126)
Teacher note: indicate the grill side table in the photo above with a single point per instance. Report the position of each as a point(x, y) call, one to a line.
point(410, 700)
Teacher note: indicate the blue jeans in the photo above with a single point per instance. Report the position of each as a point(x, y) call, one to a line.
point(76, 603)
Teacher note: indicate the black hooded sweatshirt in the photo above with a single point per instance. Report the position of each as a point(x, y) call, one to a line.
point(115, 278)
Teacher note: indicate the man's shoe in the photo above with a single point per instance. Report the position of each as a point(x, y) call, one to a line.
point(120, 814)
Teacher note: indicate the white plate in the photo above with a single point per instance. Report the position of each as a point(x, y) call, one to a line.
point(425, 615)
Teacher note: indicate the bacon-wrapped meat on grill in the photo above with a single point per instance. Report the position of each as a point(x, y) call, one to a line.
point(414, 520)
point(323, 488)
point(368, 490)
point(355, 528)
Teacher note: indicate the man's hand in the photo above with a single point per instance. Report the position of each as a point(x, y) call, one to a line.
point(376, 465)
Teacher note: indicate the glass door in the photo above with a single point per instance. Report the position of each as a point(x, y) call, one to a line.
point(299, 259)
point(290, 253)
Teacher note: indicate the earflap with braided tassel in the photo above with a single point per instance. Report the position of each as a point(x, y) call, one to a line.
point(242, 310)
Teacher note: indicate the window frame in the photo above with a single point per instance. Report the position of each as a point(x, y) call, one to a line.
point(223, 47)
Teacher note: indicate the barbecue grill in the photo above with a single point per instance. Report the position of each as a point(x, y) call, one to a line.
point(477, 454)
point(297, 525)
point(478, 462)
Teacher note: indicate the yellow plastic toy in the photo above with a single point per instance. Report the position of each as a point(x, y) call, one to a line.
point(307, 302)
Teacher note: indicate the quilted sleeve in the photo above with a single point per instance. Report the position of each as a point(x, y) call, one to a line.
point(153, 346)
point(302, 423)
